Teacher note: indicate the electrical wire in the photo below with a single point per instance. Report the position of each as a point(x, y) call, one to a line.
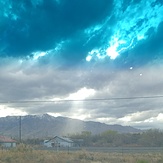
point(80, 100)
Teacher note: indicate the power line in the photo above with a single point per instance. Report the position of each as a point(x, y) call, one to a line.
point(80, 100)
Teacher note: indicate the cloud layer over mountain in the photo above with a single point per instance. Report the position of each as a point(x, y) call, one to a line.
point(68, 50)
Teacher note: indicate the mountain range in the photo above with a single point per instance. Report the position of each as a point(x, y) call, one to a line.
point(45, 126)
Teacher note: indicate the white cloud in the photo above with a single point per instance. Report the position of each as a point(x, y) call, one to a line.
point(30, 82)
point(5, 111)
point(160, 117)
point(81, 94)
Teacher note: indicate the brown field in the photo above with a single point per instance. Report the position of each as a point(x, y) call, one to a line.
point(25, 154)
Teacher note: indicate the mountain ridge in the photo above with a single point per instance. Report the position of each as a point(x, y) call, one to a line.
point(44, 126)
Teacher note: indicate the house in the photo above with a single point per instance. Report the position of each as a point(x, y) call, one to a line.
point(7, 142)
point(59, 142)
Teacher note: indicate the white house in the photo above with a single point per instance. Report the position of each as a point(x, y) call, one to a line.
point(7, 142)
point(59, 142)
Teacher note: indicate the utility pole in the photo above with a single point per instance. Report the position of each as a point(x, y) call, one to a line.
point(20, 129)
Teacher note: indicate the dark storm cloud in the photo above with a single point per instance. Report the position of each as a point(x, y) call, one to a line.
point(36, 82)
point(42, 108)
point(30, 26)
point(145, 81)
point(139, 19)
point(147, 50)
point(30, 81)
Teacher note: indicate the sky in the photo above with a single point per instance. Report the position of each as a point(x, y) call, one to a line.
point(90, 60)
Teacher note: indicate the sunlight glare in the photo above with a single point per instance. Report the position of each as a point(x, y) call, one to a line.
point(88, 58)
point(81, 94)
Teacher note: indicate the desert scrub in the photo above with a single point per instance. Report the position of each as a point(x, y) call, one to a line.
point(26, 154)
point(144, 158)
point(142, 161)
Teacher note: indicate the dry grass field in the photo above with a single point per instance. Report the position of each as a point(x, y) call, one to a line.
point(25, 154)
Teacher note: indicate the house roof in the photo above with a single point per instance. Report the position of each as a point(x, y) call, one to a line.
point(68, 140)
point(4, 139)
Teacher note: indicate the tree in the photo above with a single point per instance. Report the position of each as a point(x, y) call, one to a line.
point(152, 137)
point(109, 137)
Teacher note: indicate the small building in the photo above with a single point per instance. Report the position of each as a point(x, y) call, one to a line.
point(78, 142)
point(59, 142)
point(7, 142)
